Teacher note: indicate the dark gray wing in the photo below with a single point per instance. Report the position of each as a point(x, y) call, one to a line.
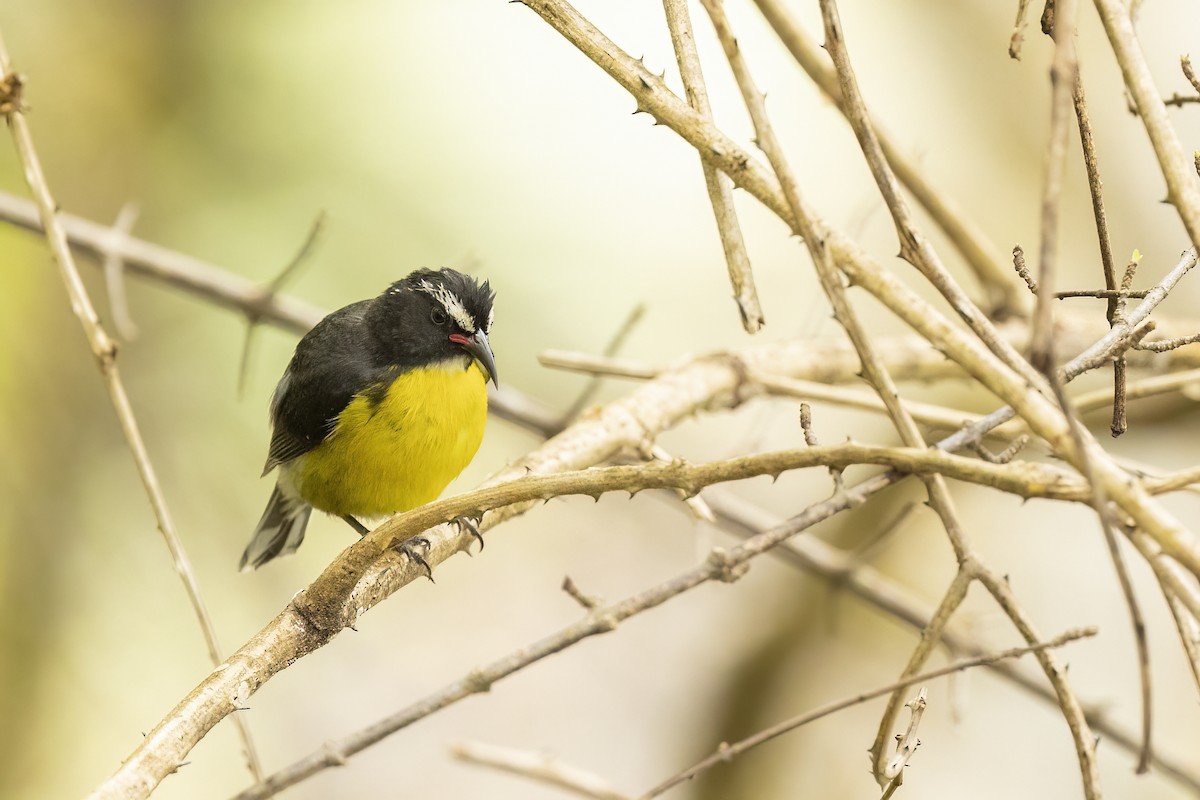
point(332, 363)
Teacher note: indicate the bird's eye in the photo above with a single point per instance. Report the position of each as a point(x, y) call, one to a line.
point(438, 317)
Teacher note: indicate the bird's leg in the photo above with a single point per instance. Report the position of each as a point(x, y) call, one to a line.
point(471, 526)
point(359, 528)
point(408, 547)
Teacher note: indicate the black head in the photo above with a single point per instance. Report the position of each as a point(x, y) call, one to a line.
point(434, 316)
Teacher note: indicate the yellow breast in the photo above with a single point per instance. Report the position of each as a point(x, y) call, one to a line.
point(398, 452)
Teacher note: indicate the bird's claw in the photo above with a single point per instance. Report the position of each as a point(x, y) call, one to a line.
point(410, 548)
point(471, 526)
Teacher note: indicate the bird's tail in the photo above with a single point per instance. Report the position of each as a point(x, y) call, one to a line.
point(279, 532)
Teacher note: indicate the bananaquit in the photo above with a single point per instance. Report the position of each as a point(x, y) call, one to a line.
point(382, 405)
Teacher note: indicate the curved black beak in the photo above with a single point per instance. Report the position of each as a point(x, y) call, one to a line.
point(477, 345)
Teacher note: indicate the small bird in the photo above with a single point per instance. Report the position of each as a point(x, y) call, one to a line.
point(383, 403)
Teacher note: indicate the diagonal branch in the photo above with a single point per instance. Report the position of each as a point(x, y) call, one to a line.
point(104, 349)
point(720, 190)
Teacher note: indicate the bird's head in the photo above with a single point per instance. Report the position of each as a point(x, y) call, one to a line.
point(434, 316)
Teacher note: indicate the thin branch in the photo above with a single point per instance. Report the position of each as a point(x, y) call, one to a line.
point(104, 350)
point(539, 767)
point(720, 189)
point(254, 316)
point(727, 752)
point(1166, 345)
point(1063, 71)
point(1018, 31)
point(1108, 527)
point(611, 349)
point(114, 275)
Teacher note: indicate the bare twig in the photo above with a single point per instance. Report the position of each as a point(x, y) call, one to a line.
point(104, 349)
point(255, 315)
point(586, 601)
point(1110, 294)
point(114, 275)
point(727, 752)
point(1165, 345)
point(1062, 78)
point(1018, 32)
point(540, 767)
point(611, 349)
point(720, 190)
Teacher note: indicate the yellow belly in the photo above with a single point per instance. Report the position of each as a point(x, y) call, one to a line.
point(400, 453)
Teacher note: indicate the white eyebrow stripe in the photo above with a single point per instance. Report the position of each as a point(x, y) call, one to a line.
point(451, 303)
point(491, 318)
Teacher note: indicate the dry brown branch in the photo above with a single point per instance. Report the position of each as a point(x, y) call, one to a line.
point(539, 767)
point(1120, 422)
point(727, 752)
point(104, 349)
point(720, 190)
point(1164, 345)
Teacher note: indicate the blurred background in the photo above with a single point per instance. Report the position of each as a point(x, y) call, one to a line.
point(470, 134)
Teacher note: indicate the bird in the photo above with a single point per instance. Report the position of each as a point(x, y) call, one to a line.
point(383, 403)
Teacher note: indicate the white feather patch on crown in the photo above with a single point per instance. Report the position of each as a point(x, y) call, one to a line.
point(449, 301)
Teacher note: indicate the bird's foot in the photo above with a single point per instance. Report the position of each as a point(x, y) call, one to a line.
point(416, 549)
point(471, 526)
